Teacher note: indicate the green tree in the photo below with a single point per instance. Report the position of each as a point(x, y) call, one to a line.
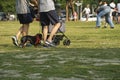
point(7, 5)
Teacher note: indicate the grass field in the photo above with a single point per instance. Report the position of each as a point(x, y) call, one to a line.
point(94, 54)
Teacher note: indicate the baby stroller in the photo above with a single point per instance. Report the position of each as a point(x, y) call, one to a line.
point(59, 37)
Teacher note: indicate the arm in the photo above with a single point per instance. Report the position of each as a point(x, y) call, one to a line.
point(35, 2)
point(38, 3)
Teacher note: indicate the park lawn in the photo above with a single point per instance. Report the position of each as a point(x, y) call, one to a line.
point(94, 54)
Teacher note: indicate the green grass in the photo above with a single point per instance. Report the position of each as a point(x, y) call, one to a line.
point(94, 54)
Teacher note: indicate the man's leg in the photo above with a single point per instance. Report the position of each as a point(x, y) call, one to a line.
point(25, 29)
point(109, 20)
point(45, 32)
point(98, 21)
point(118, 17)
point(53, 32)
point(102, 13)
point(19, 32)
point(16, 37)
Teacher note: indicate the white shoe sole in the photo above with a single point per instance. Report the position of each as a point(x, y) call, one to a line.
point(15, 41)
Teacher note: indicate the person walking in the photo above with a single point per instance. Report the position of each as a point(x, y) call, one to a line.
point(112, 6)
point(48, 16)
point(24, 17)
point(104, 11)
point(87, 12)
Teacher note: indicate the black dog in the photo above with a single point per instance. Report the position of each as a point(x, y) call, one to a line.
point(34, 40)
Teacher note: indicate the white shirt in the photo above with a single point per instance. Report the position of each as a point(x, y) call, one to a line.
point(118, 7)
point(86, 10)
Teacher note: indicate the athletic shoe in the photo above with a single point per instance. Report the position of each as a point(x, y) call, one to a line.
point(45, 46)
point(49, 44)
point(15, 41)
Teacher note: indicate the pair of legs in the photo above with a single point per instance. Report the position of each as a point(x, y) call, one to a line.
point(25, 20)
point(118, 17)
point(111, 16)
point(87, 16)
point(106, 23)
point(23, 30)
point(106, 13)
point(47, 18)
point(53, 32)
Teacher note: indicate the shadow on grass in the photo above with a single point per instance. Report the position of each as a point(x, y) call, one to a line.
point(59, 63)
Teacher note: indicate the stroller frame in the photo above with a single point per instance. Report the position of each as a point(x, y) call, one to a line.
point(57, 38)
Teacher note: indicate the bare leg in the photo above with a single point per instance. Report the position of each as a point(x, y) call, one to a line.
point(87, 17)
point(119, 19)
point(53, 32)
point(15, 38)
point(25, 29)
point(45, 31)
point(19, 32)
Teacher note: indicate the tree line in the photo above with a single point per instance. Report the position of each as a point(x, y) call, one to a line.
point(9, 5)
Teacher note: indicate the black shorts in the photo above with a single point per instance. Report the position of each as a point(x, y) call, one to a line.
point(25, 18)
point(118, 14)
point(114, 13)
point(49, 17)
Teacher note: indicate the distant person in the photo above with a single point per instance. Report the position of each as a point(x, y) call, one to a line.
point(86, 10)
point(48, 16)
point(105, 3)
point(75, 16)
point(24, 17)
point(105, 23)
point(112, 6)
point(99, 5)
point(118, 10)
point(113, 11)
point(104, 11)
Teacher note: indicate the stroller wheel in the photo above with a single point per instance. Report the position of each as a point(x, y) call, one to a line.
point(66, 42)
point(57, 42)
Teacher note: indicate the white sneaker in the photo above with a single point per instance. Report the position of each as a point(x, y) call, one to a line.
point(15, 41)
point(49, 44)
